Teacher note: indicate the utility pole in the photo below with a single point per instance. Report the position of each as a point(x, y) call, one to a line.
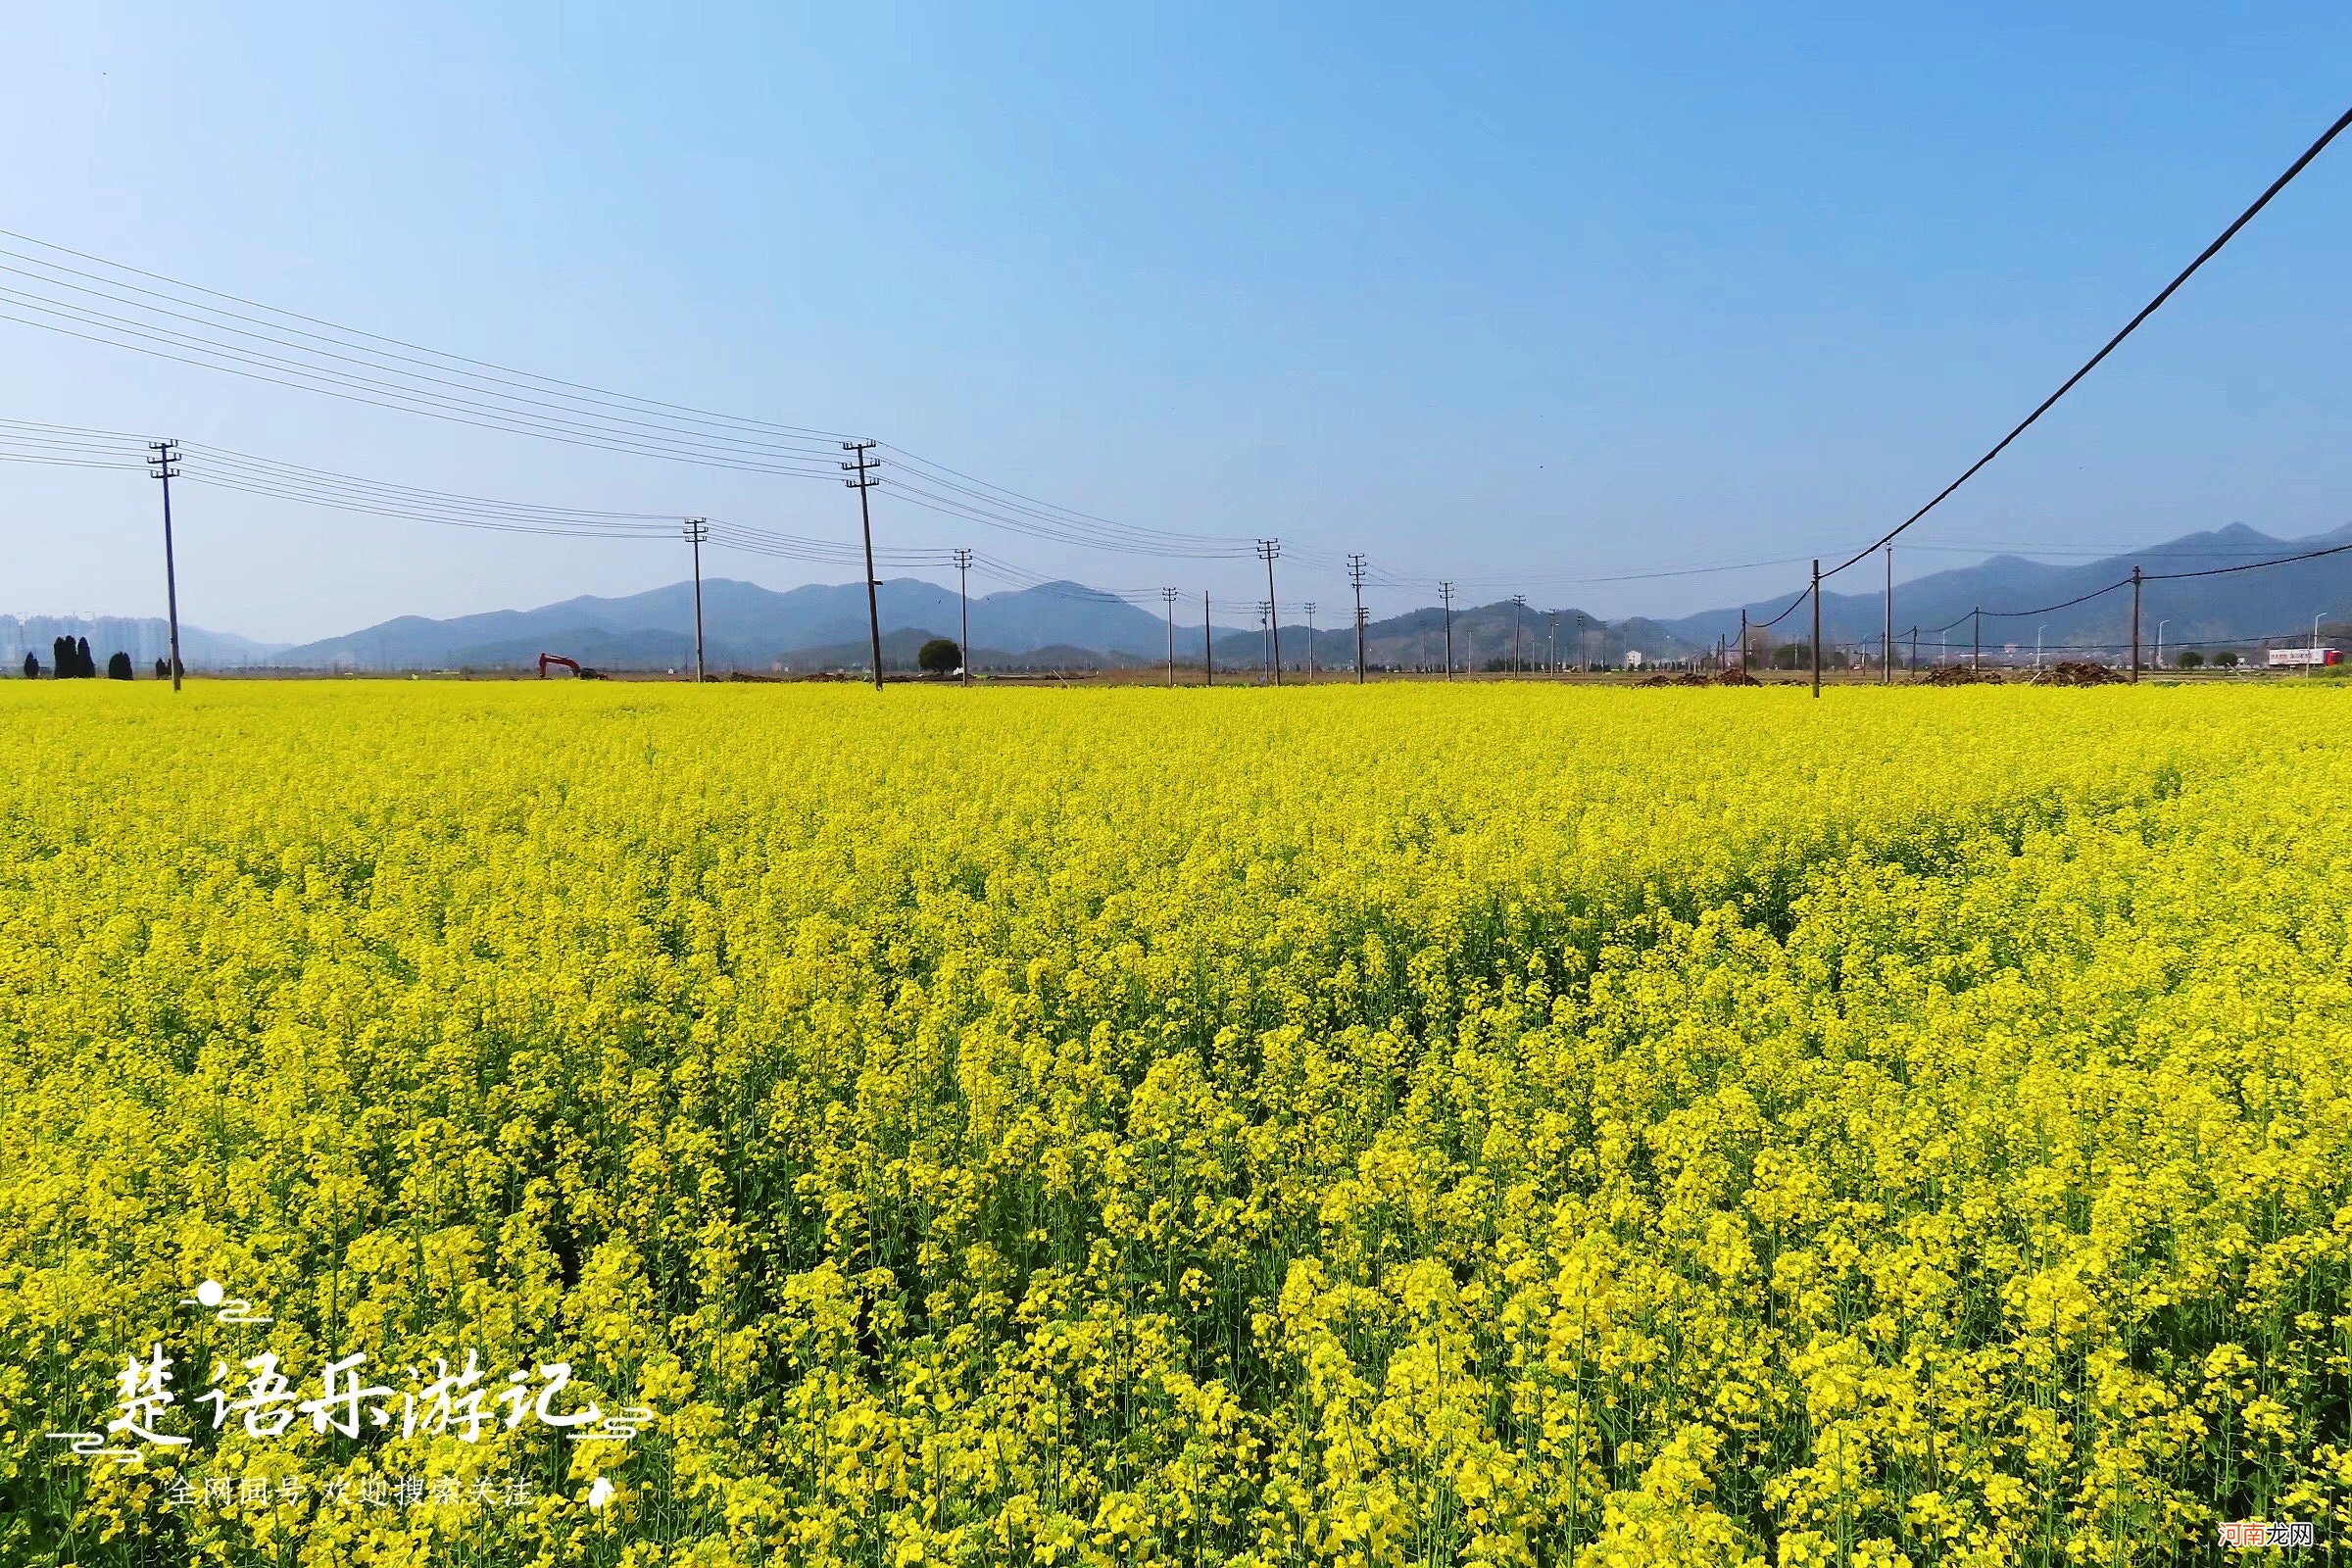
point(1975, 632)
point(1446, 597)
point(1518, 608)
point(2136, 624)
point(1355, 576)
point(698, 529)
point(1915, 648)
point(963, 596)
point(1265, 617)
point(1310, 642)
point(1742, 639)
point(161, 465)
point(1816, 626)
point(1551, 666)
point(1167, 597)
point(1887, 648)
point(863, 470)
point(1209, 642)
point(1584, 651)
point(1267, 550)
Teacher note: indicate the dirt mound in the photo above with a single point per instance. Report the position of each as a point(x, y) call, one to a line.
point(1687, 678)
point(1957, 675)
point(2078, 673)
point(1735, 677)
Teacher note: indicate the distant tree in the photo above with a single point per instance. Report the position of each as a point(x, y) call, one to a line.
point(82, 652)
point(118, 665)
point(2227, 658)
point(940, 657)
point(163, 672)
point(61, 658)
point(2191, 658)
point(33, 668)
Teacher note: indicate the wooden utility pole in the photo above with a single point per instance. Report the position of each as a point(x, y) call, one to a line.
point(698, 529)
point(1267, 550)
point(1167, 597)
point(864, 480)
point(1744, 639)
point(1886, 646)
point(1209, 642)
point(1975, 632)
point(162, 465)
point(2136, 623)
point(1518, 608)
point(963, 596)
point(1355, 576)
point(1817, 625)
point(1446, 597)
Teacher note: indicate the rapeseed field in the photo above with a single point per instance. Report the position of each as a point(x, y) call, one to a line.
point(1495, 1124)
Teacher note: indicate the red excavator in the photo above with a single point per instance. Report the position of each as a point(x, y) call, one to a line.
point(577, 668)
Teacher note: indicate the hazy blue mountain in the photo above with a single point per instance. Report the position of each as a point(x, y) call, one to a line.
point(2238, 607)
point(744, 625)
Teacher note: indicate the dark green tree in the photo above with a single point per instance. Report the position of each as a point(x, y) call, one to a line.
point(2191, 658)
point(940, 657)
point(118, 665)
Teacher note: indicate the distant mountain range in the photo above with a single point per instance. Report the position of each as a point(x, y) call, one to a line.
point(1068, 625)
point(2232, 607)
point(750, 627)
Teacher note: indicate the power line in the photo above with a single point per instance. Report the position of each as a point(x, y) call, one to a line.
point(407, 406)
point(362, 366)
point(976, 511)
point(814, 434)
point(2045, 610)
point(1763, 625)
point(2255, 566)
point(932, 471)
point(68, 463)
point(653, 429)
point(2130, 327)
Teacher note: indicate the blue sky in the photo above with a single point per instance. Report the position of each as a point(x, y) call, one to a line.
point(1507, 294)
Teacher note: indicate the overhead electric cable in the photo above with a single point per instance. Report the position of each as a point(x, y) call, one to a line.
point(2109, 347)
